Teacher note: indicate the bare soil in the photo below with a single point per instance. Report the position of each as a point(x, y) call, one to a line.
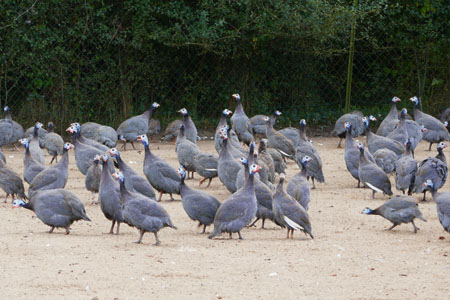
point(351, 257)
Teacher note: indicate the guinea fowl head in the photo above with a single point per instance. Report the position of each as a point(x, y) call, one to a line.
point(182, 172)
point(226, 112)
point(38, 125)
point(423, 129)
point(183, 111)
point(254, 169)
point(243, 161)
point(71, 129)
point(114, 152)
point(223, 132)
point(155, 105)
point(18, 203)
point(403, 113)
point(6, 109)
point(360, 146)
point(51, 126)
point(105, 157)
point(119, 176)
point(97, 159)
point(182, 128)
point(77, 126)
point(446, 123)
point(277, 113)
point(306, 159)
point(25, 142)
point(68, 146)
point(429, 183)
point(415, 100)
point(348, 125)
point(407, 143)
point(441, 146)
point(396, 99)
point(302, 123)
point(264, 142)
point(267, 120)
point(236, 96)
point(367, 211)
point(143, 138)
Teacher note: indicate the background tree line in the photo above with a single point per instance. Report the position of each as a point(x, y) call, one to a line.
point(103, 60)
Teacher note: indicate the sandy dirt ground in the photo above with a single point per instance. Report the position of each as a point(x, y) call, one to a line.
point(351, 257)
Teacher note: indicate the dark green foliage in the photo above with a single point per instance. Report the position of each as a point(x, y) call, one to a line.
point(107, 60)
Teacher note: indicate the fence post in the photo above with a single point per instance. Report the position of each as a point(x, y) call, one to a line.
point(350, 59)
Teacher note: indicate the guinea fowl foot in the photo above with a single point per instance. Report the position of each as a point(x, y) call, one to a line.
point(51, 230)
point(160, 196)
point(253, 224)
point(209, 183)
point(204, 229)
point(171, 198)
point(202, 180)
point(240, 236)
point(415, 227)
point(392, 227)
point(157, 240)
point(140, 237)
point(67, 231)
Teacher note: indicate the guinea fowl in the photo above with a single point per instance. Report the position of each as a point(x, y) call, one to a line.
point(227, 165)
point(398, 210)
point(445, 116)
point(198, 205)
point(375, 142)
point(265, 157)
point(53, 142)
point(372, 175)
point(89, 129)
point(17, 128)
point(405, 171)
point(30, 166)
point(400, 133)
point(206, 166)
point(234, 146)
point(142, 212)
point(159, 173)
point(190, 131)
point(186, 152)
point(298, 186)
point(241, 123)
point(134, 183)
point(304, 147)
point(385, 159)
point(259, 123)
point(442, 205)
point(88, 141)
point(131, 128)
point(55, 208)
point(102, 134)
point(436, 130)
point(92, 180)
point(238, 210)
point(109, 196)
point(289, 213)
point(389, 122)
point(415, 133)
point(53, 177)
point(231, 134)
point(41, 134)
point(154, 128)
point(353, 118)
point(278, 141)
point(11, 182)
point(291, 133)
point(351, 154)
point(171, 131)
point(434, 168)
point(35, 149)
point(84, 154)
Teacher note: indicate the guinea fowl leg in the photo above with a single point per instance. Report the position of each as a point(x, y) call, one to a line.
point(292, 233)
point(359, 182)
point(124, 146)
point(392, 227)
point(262, 224)
point(171, 198)
point(157, 240)
point(209, 183)
point(288, 233)
point(51, 229)
point(204, 229)
point(118, 225)
point(202, 180)
point(314, 185)
point(111, 231)
point(429, 148)
point(231, 236)
point(240, 236)
point(6, 198)
point(53, 158)
point(415, 227)
point(67, 230)
point(160, 196)
point(373, 194)
point(140, 237)
point(339, 144)
point(424, 192)
point(132, 145)
point(253, 224)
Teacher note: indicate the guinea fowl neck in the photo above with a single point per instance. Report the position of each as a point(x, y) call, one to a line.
point(304, 170)
point(362, 157)
point(239, 107)
point(302, 132)
point(250, 180)
point(348, 136)
point(222, 121)
point(65, 158)
point(225, 153)
point(417, 110)
point(123, 191)
point(148, 153)
point(35, 132)
point(8, 115)
point(273, 119)
point(393, 113)
point(441, 156)
point(106, 175)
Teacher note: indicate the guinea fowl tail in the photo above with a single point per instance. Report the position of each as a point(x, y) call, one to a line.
point(213, 234)
point(86, 218)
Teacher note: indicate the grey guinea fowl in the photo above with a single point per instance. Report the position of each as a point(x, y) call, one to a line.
point(353, 118)
point(305, 147)
point(198, 205)
point(92, 180)
point(389, 122)
point(18, 132)
point(89, 129)
point(142, 212)
point(289, 213)
point(227, 165)
point(442, 205)
point(398, 210)
point(6, 130)
point(53, 142)
point(259, 123)
point(134, 182)
point(154, 128)
point(434, 168)
point(298, 186)
point(41, 133)
point(35, 149)
point(386, 160)
point(372, 175)
point(11, 182)
point(265, 157)
point(55, 208)
point(53, 177)
point(109, 196)
point(278, 162)
point(30, 166)
point(159, 173)
point(238, 210)
point(186, 152)
point(231, 134)
point(234, 146)
point(206, 166)
point(88, 141)
point(351, 154)
point(241, 123)
point(171, 131)
point(400, 133)
point(445, 116)
point(131, 128)
point(436, 130)
point(291, 133)
point(106, 135)
point(278, 141)
point(375, 142)
point(405, 171)
point(190, 131)
point(84, 154)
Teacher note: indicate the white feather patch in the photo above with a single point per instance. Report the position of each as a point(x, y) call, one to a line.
point(284, 153)
point(211, 170)
point(292, 224)
point(373, 187)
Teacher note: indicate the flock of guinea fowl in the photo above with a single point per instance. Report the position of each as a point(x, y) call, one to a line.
point(249, 174)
